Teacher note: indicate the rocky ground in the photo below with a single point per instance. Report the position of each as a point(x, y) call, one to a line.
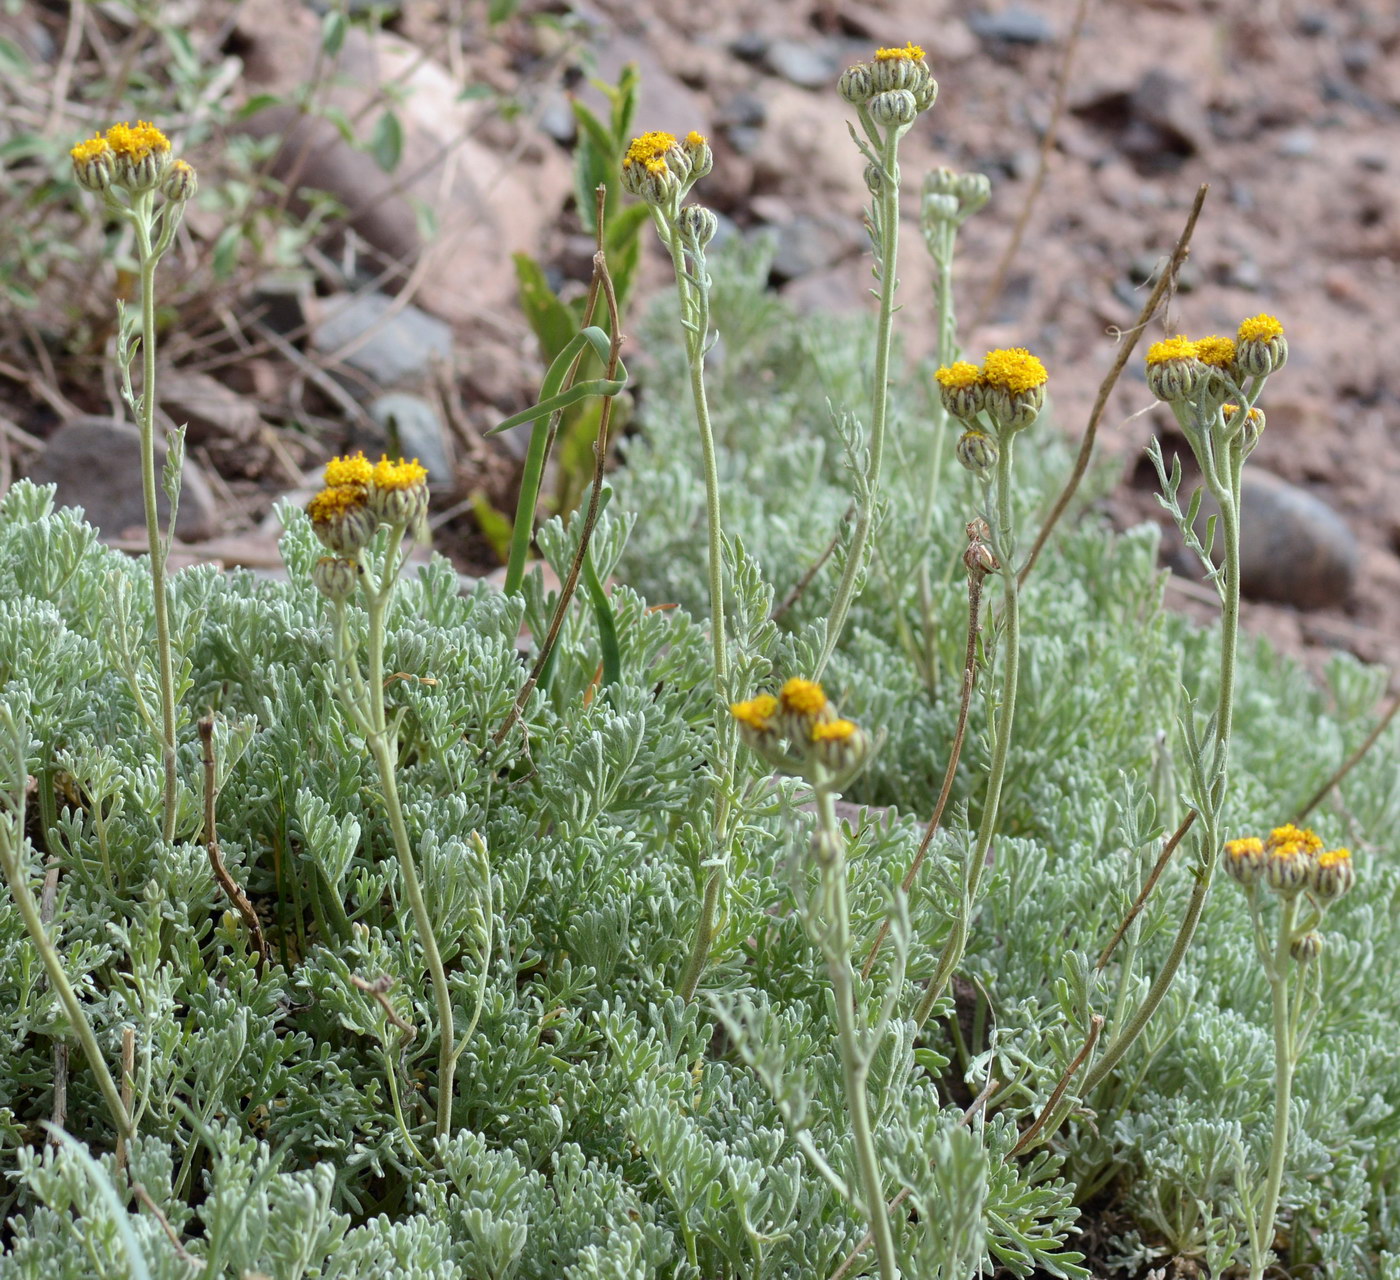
point(1291, 112)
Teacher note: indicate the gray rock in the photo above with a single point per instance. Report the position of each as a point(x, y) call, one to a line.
point(413, 429)
point(207, 408)
point(1013, 25)
point(390, 348)
point(812, 242)
point(1294, 549)
point(96, 464)
point(803, 63)
point(1297, 143)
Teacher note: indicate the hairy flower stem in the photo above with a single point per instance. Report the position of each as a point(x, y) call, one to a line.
point(887, 202)
point(141, 219)
point(1285, 1059)
point(835, 941)
point(1208, 841)
point(1010, 645)
point(365, 701)
point(693, 288)
point(12, 861)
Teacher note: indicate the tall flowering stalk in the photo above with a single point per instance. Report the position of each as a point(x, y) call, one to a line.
point(1294, 864)
point(993, 403)
point(660, 170)
point(130, 167)
point(800, 732)
point(889, 93)
point(1211, 385)
point(371, 507)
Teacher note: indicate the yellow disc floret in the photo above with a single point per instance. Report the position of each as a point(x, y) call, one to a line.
point(910, 53)
point(1246, 847)
point(961, 373)
point(833, 731)
point(694, 139)
point(351, 469)
point(397, 475)
point(136, 143)
point(1333, 857)
point(89, 150)
point(1178, 348)
point(1288, 840)
point(805, 697)
point(1259, 328)
point(334, 501)
point(757, 713)
point(1015, 369)
point(1216, 351)
point(649, 150)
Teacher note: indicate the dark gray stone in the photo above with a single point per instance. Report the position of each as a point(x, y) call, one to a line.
point(1013, 25)
point(96, 464)
point(803, 63)
point(207, 408)
point(812, 242)
point(402, 346)
point(420, 433)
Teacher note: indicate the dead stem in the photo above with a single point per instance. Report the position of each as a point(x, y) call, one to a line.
point(1141, 901)
point(216, 859)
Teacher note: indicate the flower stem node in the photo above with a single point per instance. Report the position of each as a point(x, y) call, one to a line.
point(1332, 876)
point(697, 225)
point(1246, 860)
point(1260, 347)
point(978, 452)
point(896, 108)
point(181, 182)
point(341, 519)
point(336, 578)
point(1306, 947)
point(1173, 372)
point(94, 166)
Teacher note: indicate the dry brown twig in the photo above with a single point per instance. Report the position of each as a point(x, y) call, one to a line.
point(211, 838)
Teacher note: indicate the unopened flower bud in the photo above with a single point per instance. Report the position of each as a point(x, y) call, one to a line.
point(181, 182)
point(939, 208)
point(875, 179)
point(894, 108)
point(973, 192)
point(336, 578)
point(977, 451)
point(697, 225)
point(698, 155)
point(855, 85)
point(1251, 428)
point(1306, 947)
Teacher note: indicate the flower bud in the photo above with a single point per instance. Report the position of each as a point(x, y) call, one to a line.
point(697, 225)
point(978, 558)
point(181, 182)
point(978, 452)
point(962, 390)
point(1251, 428)
point(1332, 876)
point(1015, 387)
point(1292, 852)
point(336, 578)
point(1217, 354)
point(1306, 947)
point(875, 180)
point(938, 208)
point(699, 158)
point(93, 165)
point(655, 167)
point(1260, 347)
point(973, 190)
point(1173, 372)
point(141, 155)
point(341, 519)
point(904, 70)
point(1245, 860)
point(855, 85)
point(841, 748)
point(894, 108)
point(398, 492)
point(756, 723)
point(802, 704)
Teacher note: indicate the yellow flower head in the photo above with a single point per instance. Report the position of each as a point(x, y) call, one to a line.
point(757, 713)
point(1246, 847)
point(804, 697)
point(1288, 841)
point(1333, 857)
point(694, 139)
point(352, 469)
point(138, 142)
point(1259, 328)
point(333, 502)
point(962, 373)
point(388, 475)
point(1178, 348)
point(89, 150)
point(910, 53)
point(1015, 369)
point(833, 731)
point(649, 150)
point(1216, 351)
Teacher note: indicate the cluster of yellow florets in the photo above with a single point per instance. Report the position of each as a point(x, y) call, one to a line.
point(799, 731)
point(660, 169)
point(359, 497)
point(893, 87)
point(136, 157)
point(1291, 860)
point(1008, 386)
point(1177, 367)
